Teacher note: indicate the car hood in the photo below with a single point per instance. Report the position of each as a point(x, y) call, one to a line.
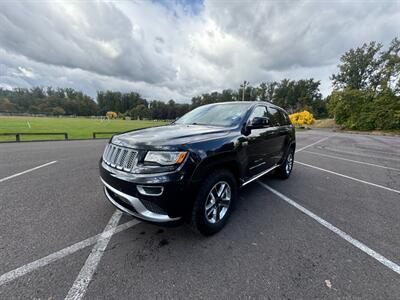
point(169, 136)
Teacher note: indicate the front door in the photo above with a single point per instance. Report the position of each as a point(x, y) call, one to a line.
point(260, 144)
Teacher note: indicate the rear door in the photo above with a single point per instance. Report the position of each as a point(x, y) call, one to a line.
point(277, 146)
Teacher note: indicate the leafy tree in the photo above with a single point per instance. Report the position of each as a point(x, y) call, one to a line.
point(299, 95)
point(358, 68)
point(367, 88)
point(58, 111)
point(262, 91)
point(389, 73)
point(386, 112)
point(47, 101)
point(139, 112)
point(6, 105)
point(117, 101)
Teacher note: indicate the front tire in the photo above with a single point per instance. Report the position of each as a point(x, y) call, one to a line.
point(214, 202)
point(285, 169)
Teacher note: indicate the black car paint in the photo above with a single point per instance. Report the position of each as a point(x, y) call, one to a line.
point(235, 148)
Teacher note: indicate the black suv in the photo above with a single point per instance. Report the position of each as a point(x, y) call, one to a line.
point(191, 169)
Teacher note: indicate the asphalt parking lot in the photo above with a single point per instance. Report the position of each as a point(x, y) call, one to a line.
point(331, 231)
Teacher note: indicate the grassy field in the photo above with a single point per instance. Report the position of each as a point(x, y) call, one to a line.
point(77, 128)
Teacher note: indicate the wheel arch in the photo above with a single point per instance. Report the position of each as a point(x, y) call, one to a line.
point(292, 145)
point(222, 161)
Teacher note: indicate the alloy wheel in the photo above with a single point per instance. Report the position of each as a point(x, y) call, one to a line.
point(289, 163)
point(217, 202)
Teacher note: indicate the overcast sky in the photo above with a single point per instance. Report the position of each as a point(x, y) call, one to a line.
point(179, 49)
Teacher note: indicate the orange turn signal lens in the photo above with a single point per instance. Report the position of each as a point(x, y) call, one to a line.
point(181, 157)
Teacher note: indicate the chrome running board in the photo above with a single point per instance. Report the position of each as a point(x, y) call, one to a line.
point(259, 175)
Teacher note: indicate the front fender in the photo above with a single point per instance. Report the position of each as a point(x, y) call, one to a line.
point(228, 160)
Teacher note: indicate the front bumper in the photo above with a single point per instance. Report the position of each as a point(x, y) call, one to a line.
point(133, 206)
point(123, 190)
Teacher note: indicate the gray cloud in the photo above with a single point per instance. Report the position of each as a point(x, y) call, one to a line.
point(94, 36)
point(165, 52)
point(306, 34)
point(40, 74)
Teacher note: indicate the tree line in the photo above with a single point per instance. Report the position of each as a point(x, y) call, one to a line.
point(292, 95)
point(365, 96)
point(47, 101)
point(289, 94)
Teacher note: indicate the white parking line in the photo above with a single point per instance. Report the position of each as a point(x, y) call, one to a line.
point(317, 142)
point(358, 154)
point(352, 160)
point(79, 287)
point(27, 171)
point(349, 177)
point(383, 260)
point(30, 267)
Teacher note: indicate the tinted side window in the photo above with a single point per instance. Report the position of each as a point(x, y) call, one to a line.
point(260, 112)
point(274, 116)
point(285, 118)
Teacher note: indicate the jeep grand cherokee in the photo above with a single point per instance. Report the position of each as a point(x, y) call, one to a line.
point(191, 169)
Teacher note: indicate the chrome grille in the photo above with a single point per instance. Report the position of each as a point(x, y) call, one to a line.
point(119, 157)
point(130, 159)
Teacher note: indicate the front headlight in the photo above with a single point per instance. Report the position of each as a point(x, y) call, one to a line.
point(165, 158)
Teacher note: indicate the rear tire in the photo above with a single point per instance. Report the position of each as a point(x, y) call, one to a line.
point(285, 169)
point(214, 202)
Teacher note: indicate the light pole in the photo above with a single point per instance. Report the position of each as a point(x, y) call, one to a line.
point(245, 83)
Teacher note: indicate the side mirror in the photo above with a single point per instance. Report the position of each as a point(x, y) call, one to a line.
point(258, 122)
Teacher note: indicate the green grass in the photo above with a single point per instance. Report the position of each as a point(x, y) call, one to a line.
point(77, 128)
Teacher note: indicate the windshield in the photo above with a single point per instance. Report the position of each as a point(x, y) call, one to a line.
point(215, 115)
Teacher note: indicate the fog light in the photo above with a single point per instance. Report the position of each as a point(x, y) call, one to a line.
point(149, 190)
